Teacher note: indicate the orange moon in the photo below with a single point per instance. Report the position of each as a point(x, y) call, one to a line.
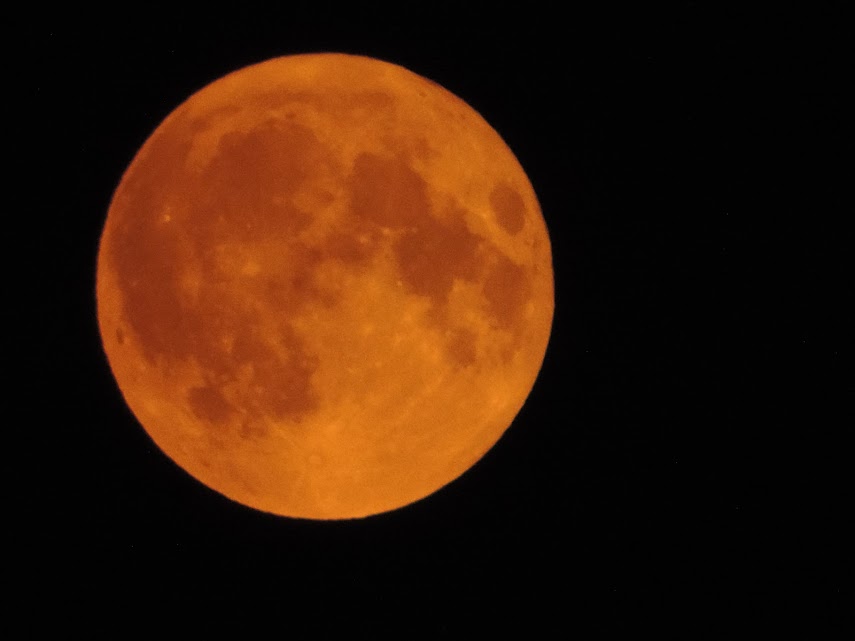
point(324, 286)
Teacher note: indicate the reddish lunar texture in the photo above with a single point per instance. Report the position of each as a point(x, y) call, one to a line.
point(325, 286)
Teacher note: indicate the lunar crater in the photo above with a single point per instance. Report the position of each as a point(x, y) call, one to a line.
point(508, 207)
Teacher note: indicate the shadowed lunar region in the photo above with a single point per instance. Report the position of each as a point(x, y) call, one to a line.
point(325, 286)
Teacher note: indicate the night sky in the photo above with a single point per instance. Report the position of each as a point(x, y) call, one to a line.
point(680, 466)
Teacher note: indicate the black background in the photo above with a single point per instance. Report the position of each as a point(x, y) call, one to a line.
point(682, 466)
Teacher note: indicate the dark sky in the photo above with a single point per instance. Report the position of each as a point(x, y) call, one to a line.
point(680, 463)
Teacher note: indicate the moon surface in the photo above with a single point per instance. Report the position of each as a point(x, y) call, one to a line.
point(324, 286)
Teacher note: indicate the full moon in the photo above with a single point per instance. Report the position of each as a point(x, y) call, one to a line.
point(324, 286)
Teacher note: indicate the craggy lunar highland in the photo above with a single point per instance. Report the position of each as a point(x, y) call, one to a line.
point(325, 286)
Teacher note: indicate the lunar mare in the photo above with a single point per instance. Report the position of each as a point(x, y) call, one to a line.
point(324, 286)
